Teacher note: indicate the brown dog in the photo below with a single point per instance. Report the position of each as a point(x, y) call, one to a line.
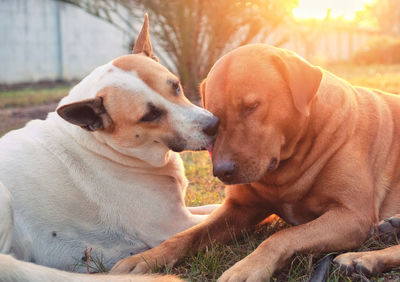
point(296, 141)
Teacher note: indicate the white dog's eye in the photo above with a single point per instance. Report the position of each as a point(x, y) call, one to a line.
point(176, 86)
point(152, 114)
point(177, 89)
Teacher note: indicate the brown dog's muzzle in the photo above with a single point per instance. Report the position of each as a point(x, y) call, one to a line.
point(225, 170)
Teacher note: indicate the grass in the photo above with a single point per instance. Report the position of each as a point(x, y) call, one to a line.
point(203, 188)
point(31, 96)
point(19, 106)
point(383, 77)
point(208, 265)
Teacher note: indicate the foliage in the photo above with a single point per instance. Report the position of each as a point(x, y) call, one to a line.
point(379, 50)
point(383, 77)
point(193, 34)
point(385, 14)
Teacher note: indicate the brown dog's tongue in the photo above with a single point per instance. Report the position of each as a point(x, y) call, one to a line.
point(209, 149)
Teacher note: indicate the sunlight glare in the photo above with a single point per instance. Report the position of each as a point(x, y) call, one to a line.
point(318, 9)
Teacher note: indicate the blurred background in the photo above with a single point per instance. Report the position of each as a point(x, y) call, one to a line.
point(48, 45)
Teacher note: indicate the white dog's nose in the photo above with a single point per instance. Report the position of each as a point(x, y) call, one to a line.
point(211, 127)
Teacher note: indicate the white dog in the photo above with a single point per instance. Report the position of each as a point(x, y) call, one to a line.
point(100, 174)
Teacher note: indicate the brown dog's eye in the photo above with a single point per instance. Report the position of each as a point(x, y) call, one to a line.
point(152, 114)
point(251, 108)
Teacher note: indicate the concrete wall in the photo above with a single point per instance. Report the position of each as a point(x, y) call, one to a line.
point(49, 40)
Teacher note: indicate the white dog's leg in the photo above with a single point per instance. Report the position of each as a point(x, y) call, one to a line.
point(203, 210)
point(15, 270)
point(6, 222)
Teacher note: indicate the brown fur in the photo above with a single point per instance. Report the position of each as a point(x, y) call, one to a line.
point(338, 153)
point(126, 109)
point(155, 75)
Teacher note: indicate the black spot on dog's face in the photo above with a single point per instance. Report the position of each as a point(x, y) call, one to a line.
point(54, 234)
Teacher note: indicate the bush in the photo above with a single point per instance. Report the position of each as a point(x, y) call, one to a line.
point(380, 50)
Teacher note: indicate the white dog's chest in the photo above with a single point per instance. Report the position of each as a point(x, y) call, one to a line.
point(56, 228)
point(70, 201)
point(64, 247)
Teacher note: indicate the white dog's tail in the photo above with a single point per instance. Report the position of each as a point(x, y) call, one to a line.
point(12, 270)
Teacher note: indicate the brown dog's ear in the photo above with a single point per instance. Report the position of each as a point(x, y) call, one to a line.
point(302, 78)
point(202, 90)
point(143, 44)
point(89, 114)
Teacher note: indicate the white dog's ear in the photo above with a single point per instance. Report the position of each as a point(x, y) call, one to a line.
point(302, 78)
point(202, 90)
point(89, 114)
point(143, 44)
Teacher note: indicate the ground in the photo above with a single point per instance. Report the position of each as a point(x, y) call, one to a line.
point(17, 106)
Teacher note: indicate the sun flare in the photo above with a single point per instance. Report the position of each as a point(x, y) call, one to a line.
point(318, 9)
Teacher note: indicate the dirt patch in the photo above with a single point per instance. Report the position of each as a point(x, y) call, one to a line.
point(13, 118)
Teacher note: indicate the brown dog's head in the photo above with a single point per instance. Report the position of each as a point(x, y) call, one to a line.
point(137, 107)
point(262, 96)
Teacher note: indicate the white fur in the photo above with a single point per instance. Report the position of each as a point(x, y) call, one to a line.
point(7, 218)
point(74, 190)
point(12, 270)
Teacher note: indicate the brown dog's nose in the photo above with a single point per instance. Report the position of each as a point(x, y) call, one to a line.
point(224, 170)
point(211, 127)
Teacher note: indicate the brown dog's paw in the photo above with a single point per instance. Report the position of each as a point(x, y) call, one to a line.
point(389, 228)
point(363, 263)
point(134, 264)
point(149, 261)
point(249, 269)
point(345, 262)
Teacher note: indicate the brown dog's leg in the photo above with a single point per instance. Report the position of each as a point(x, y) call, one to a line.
point(373, 262)
point(369, 263)
point(217, 226)
point(337, 229)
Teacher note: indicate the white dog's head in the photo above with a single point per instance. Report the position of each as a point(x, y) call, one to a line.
point(138, 107)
